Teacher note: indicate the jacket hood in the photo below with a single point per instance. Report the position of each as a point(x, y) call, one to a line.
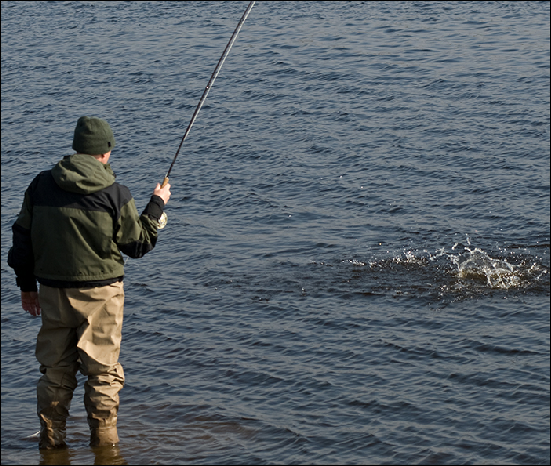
point(82, 174)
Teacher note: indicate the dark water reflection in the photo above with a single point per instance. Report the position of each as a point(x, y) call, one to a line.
point(101, 455)
point(356, 263)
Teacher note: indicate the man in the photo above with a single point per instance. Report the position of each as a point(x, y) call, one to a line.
point(73, 225)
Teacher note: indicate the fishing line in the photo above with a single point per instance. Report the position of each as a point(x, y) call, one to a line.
point(209, 85)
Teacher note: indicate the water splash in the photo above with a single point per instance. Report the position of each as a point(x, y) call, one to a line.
point(478, 265)
point(465, 269)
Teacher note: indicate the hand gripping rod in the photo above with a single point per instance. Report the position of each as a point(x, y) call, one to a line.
point(210, 83)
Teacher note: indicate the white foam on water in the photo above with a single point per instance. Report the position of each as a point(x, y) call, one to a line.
point(472, 266)
point(497, 273)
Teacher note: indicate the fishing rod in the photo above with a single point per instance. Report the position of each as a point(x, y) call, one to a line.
point(209, 85)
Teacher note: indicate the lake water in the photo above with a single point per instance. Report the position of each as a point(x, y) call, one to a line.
point(356, 264)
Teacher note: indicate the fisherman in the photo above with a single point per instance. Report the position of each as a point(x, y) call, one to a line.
point(74, 224)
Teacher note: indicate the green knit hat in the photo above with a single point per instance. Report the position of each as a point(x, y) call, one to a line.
point(93, 136)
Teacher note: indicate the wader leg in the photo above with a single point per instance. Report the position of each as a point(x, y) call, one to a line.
point(98, 345)
point(58, 357)
point(101, 399)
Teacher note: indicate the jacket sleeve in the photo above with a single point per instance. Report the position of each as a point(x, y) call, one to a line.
point(20, 255)
point(137, 235)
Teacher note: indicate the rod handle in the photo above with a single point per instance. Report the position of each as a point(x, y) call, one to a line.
point(165, 181)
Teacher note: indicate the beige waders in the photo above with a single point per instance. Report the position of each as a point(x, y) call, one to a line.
point(81, 329)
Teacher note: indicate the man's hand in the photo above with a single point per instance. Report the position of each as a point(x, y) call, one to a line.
point(163, 193)
point(29, 302)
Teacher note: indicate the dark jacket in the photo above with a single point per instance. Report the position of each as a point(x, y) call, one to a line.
point(73, 225)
